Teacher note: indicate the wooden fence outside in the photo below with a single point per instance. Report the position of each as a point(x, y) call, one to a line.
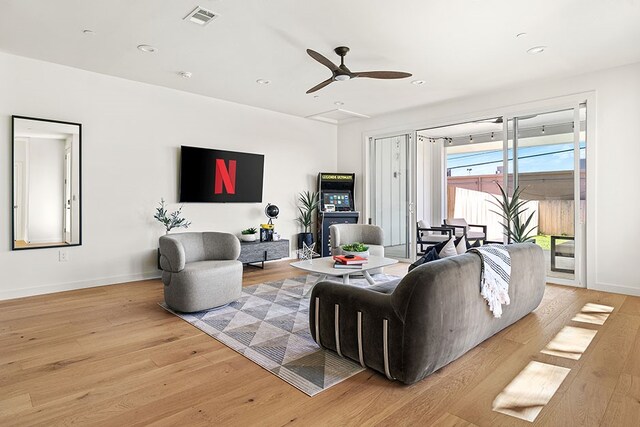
point(550, 189)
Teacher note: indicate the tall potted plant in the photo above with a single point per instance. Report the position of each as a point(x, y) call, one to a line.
point(512, 210)
point(308, 205)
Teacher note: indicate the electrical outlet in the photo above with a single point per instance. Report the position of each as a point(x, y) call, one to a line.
point(63, 256)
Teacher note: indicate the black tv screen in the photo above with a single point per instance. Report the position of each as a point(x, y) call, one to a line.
point(210, 176)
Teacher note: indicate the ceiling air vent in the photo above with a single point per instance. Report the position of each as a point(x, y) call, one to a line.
point(200, 16)
point(337, 116)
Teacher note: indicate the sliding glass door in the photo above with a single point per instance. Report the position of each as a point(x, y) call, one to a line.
point(390, 204)
point(543, 154)
point(547, 162)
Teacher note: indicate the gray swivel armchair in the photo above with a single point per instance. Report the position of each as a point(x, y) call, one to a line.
point(370, 235)
point(200, 270)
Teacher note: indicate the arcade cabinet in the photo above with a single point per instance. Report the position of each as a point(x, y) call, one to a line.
point(337, 205)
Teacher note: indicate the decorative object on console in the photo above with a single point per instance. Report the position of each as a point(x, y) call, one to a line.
point(172, 220)
point(249, 234)
point(266, 230)
point(309, 204)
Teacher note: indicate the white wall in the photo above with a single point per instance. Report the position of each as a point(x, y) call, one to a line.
point(45, 163)
point(131, 138)
point(615, 221)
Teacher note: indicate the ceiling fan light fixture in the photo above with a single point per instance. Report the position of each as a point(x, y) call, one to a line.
point(342, 73)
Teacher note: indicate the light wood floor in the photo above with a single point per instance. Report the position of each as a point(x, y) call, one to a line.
point(112, 356)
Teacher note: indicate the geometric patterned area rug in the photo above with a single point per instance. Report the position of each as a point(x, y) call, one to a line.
point(269, 325)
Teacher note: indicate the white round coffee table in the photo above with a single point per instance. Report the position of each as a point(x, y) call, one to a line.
point(324, 267)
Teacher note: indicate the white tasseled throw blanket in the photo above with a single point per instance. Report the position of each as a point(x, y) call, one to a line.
point(494, 277)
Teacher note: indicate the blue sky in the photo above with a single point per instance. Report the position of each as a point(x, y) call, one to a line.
point(545, 158)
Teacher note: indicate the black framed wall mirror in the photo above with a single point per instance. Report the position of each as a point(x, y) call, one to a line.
point(47, 183)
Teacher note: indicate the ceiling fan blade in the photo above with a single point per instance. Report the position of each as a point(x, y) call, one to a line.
point(383, 74)
point(321, 59)
point(320, 86)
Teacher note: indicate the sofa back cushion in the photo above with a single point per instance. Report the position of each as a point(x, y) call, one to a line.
point(445, 314)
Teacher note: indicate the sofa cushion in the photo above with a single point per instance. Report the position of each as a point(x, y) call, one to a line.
point(448, 250)
point(461, 245)
point(431, 255)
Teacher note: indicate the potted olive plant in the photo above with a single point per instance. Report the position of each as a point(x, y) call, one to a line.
point(170, 220)
point(308, 206)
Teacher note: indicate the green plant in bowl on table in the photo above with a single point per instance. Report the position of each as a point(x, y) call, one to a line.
point(359, 249)
point(355, 247)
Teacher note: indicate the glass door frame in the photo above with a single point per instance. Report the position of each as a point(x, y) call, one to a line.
point(368, 199)
point(580, 273)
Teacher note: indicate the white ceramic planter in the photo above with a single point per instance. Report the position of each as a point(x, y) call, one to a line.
point(248, 237)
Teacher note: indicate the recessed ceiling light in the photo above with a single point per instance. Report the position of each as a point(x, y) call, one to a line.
point(418, 82)
point(535, 50)
point(88, 32)
point(185, 74)
point(147, 48)
point(263, 81)
point(338, 103)
point(519, 35)
point(316, 96)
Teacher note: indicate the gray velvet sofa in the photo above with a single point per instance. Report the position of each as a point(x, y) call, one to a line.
point(409, 328)
point(200, 270)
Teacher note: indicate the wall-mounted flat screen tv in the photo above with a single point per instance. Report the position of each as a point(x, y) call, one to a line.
point(218, 176)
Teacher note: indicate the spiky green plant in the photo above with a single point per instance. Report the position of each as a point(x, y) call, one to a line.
point(170, 220)
point(512, 209)
point(309, 204)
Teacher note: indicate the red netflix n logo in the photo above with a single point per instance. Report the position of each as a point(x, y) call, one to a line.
point(226, 176)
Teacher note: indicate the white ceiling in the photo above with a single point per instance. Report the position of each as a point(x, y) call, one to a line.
point(459, 47)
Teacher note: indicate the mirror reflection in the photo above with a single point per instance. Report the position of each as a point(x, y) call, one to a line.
point(46, 183)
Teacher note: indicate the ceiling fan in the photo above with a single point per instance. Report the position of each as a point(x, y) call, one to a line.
point(342, 73)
